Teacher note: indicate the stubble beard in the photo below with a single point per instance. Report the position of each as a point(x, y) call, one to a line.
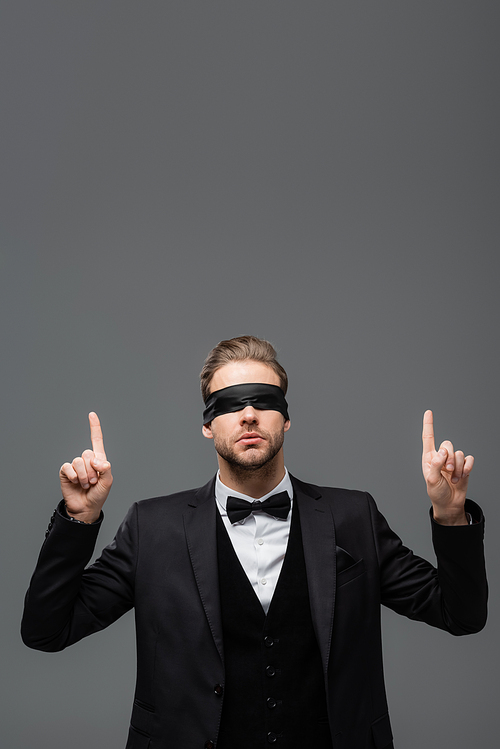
point(254, 461)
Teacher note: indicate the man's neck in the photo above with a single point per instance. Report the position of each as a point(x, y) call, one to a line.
point(256, 483)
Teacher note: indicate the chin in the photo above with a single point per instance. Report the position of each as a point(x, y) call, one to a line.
point(252, 457)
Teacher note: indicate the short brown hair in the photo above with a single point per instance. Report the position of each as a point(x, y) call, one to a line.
point(243, 348)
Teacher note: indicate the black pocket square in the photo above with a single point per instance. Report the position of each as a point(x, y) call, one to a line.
point(344, 559)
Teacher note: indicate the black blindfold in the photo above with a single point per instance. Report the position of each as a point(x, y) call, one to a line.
point(236, 397)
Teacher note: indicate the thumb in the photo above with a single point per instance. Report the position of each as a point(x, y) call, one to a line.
point(100, 465)
point(436, 465)
point(103, 467)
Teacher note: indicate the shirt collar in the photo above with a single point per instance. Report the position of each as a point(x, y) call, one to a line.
point(222, 492)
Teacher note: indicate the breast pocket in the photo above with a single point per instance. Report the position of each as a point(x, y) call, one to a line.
point(350, 573)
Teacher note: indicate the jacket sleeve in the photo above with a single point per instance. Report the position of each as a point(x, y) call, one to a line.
point(452, 596)
point(67, 600)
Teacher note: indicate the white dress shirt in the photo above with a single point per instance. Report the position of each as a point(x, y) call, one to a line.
point(259, 540)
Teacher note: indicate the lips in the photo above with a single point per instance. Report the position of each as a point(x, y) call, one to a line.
point(251, 438)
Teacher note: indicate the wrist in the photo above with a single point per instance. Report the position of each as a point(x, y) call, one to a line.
point(450, 518)
point(84, 517)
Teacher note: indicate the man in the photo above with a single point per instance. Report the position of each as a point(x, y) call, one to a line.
point(257, 597)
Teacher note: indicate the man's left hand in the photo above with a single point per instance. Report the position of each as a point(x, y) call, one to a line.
point(446, 474)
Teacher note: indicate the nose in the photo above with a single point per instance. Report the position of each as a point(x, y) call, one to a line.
point(249, 415)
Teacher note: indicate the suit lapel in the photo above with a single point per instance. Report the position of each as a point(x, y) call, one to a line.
point(318, 537)
point(199, 524)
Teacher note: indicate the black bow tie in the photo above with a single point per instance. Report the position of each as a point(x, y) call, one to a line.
point(278, 506)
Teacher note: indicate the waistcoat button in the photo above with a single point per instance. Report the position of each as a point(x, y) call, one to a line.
point(209, 744)
point(270, 671)
point(271, 737)
point(268, 641)
point(218, 689)
point(271, 703)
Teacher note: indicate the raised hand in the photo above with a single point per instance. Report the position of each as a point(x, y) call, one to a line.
point(446, 474)
point(85, 483)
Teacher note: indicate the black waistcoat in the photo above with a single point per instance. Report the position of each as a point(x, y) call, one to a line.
point(274, 691)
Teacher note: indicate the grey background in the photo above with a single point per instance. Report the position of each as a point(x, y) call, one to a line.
point(320, 174)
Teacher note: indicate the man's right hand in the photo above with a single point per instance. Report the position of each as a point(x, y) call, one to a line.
point(85, 483)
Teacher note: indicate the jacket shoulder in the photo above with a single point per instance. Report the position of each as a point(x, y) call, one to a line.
point(178, 501)
point(151, 503)
point(332, 493)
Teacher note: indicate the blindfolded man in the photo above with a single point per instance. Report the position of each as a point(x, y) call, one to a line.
point(257, 597)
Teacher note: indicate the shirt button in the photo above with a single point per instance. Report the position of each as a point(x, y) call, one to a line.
point(218, 689)
point(271, 703)
point(268, 641)
point(209, 744)
point(271, 737)
point(260, 541)
point(263, 581)
point(270, 671)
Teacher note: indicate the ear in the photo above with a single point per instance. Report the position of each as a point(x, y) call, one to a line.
point(287, 425)
point(206, 431)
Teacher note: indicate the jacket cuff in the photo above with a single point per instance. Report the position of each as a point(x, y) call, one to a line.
point(61, 518)
point(463, 543)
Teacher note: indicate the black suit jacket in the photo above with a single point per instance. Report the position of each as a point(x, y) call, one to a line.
point(163, 562)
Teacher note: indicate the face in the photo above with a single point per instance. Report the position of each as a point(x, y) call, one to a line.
point(251, 438)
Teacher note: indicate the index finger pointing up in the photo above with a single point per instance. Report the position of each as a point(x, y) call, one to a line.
point(428, 433)
point(96, 436)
